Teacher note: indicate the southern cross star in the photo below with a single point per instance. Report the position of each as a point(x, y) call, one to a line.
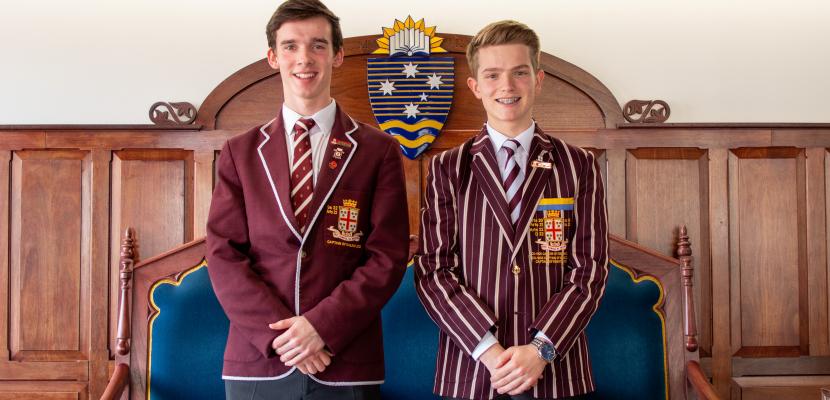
point(434, 81)
point(423, 97)
point(387, 87)
point(410, 70)
point(411, 110)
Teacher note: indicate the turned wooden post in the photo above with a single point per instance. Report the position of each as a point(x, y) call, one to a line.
point(684, 253)
point(122, 345)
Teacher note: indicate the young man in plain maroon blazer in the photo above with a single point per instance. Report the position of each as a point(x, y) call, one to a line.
point(308, 230)
point(514, 240)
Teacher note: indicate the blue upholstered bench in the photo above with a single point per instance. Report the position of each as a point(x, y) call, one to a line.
point(186, 331)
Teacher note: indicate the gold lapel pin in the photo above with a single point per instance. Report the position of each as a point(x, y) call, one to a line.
point(540, 163)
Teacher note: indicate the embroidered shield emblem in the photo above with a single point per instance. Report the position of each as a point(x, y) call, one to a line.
point(347, 215)
point(347, 219)
point(410, 92)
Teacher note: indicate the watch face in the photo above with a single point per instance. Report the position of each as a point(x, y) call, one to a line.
point(546, 351)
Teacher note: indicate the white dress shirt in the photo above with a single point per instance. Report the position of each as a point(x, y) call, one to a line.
point(319, 134)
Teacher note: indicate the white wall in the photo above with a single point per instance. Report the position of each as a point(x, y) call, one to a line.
point(107, 61)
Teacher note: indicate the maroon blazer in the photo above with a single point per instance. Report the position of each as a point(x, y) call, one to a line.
point(339, 274)
point(477, 273)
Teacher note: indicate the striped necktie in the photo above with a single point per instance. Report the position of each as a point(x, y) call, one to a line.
point(302, 178)
point(513, 179)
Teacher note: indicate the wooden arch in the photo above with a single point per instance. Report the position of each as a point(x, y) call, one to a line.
point(571, 99)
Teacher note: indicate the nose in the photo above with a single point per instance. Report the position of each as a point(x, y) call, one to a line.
point(508, 84)
point(304, 56)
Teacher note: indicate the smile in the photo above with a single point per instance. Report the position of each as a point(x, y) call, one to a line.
point(305, 75)
point(508, 100)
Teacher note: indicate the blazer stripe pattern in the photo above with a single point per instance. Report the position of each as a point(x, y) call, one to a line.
point(476, 272)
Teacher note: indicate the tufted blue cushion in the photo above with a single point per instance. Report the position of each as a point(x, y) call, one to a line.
point(410, 344)
point(626, 340)
point(187, 340)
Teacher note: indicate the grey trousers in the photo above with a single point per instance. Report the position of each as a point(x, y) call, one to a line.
point(297, 386)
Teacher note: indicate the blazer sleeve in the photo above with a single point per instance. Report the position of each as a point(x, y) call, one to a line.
point(564, 317)
point(457, 310)
point(247, 300)
point(356, 302)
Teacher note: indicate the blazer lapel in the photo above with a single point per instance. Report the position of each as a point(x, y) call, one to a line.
point(339, 150)
point(487, 173)
point(273, 152)
point(534, 186)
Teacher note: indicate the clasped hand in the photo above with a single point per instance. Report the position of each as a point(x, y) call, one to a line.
point(300, 345)
point(514, 370)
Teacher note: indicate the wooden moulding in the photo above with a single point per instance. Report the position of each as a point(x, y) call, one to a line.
point(684, 253)
point(122, 347)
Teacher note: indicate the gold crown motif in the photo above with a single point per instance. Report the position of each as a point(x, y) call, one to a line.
point(349, 203)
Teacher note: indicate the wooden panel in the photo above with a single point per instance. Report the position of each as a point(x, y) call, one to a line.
point(719, 225)
point(51, 370)
point(766, 213)
point(46, 264)
point(818, 202)
point(98, 249)
point(781, 366)
point(5, 231)
point(615, 192)
point(789, 387)
point(152, 191)
point(202, 190)
point(668, 188)
point(34, 390)
point(38, 396)
point(412, 170)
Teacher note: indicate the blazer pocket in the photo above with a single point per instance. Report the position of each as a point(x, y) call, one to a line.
point(240, 349)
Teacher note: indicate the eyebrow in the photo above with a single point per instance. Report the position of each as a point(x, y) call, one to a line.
point(314, 40)
point(523, 66)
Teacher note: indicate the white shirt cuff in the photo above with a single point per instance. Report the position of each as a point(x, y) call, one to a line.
point(486, 342)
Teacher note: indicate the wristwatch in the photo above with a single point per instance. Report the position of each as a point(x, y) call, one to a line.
point(544, 349)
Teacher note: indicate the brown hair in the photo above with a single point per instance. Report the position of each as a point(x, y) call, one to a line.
point(503, 32)
point(295, 10)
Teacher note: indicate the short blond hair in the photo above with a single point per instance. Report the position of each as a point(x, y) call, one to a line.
point(503, 32)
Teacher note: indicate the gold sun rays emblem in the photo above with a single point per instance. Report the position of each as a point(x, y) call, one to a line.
point(409, 38)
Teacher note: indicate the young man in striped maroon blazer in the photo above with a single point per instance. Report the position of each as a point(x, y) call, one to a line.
point(514, 245)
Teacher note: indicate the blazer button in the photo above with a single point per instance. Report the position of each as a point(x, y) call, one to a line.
point(303, 254)
point(516, 269)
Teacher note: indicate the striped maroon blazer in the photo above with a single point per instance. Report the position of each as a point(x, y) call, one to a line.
point(475, 272)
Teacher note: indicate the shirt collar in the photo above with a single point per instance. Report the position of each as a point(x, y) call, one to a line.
point(324, 119)
point(524, 138)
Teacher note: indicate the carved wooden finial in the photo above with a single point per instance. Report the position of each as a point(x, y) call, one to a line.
point(684, 253)
point(127, 260)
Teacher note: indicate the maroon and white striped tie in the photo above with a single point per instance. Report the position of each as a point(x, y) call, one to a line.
point(513, 179)
point(302, 178)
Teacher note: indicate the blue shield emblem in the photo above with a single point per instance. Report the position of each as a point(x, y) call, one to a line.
point(411, 98)
point(409, 91)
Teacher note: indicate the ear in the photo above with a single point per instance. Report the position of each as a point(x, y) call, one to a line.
point(540, 76)
point(338, 58)
point(472, 83)
point(272, 59)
